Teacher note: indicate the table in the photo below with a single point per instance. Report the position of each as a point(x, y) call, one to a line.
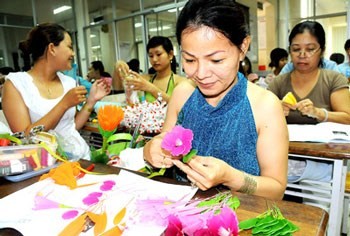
point(311, 220)
point(336, 154)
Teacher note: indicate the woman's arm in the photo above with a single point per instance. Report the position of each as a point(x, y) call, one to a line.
point(340, 103)
point(272, 146)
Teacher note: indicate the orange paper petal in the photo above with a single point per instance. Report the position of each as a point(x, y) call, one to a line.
point(75, 227)
point(100, 222)
point(64, 174)
point(115, 231)
point(118, 217)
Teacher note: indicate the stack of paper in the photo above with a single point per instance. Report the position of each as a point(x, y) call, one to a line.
point(326, 132)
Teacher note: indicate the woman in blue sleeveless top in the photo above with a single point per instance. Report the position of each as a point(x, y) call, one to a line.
point(239, 128)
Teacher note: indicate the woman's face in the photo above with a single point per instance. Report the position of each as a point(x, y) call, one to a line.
point(159, 58)
point(210, 59)
point(93, 74)
point(65, 53)
point(305, 52)
point(282, 62)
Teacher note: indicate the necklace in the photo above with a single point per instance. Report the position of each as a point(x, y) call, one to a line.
point(42, 85)
point(49, 91)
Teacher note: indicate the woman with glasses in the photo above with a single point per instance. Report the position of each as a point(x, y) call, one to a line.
point(322, 95)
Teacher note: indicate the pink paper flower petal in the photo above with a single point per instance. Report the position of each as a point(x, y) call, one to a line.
point(70, 214)
point(107, 185)
point(95, 194)
point(174, 227)
point(90, 200)
point(41, 203)
point(225, 222)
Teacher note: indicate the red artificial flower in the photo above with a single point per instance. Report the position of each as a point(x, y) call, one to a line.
point(178, 141)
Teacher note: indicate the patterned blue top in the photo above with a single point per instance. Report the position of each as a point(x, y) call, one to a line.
point(226, 131)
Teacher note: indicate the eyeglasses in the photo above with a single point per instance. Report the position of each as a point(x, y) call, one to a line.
point(307, 52)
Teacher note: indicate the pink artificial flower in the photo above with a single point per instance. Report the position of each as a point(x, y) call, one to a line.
point(174, 226)
point(178, 141)
point(225, 223)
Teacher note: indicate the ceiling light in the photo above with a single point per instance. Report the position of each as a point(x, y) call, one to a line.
point(174, 9)
point(61, 9)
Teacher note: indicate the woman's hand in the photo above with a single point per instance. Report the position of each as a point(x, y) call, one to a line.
point(205, 172)
point(75, 96)
point(155, 155)
point(121, 69)
point(100, 88)
point(136, 82)
point(307, 108)
point(287, 107)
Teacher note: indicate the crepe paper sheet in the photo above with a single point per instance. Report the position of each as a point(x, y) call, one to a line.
point(113, 193)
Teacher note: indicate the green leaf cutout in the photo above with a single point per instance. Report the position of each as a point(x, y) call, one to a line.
point(188, 156)
point(247, 224)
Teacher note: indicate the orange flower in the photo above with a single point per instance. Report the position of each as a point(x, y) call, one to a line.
point(109, 117)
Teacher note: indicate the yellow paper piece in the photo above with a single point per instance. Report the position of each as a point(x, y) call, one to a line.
point(290, 99)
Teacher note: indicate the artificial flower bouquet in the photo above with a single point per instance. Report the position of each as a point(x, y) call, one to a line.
point(148, 117)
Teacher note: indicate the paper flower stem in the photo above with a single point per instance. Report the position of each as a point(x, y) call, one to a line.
point(188, 156)
point(104, 144)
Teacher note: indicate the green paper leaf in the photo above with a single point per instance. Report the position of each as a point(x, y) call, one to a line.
point(106, 134)
point(119, 136)
point(233, 203)
point(99, 156)
point(188, 156)
point(157, 173)
point(247, 224)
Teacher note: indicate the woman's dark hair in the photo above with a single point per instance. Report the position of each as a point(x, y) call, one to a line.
point(224, 16)
point(276, 55)
point(347, 44)
point(245, 61)
point(337, 58)
point(315, 30)
point(134, 65)
point(40, 37)
point(166, 43)
point(98, 65)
